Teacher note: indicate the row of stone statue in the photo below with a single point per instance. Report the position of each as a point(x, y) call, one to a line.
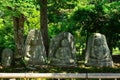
point(62, 52)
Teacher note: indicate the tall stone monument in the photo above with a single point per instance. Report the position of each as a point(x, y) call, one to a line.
point(35, 53)
point(7, 57)
point(62, 50)
point(98, 53)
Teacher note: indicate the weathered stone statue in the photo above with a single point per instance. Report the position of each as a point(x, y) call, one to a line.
point(98, 53)
point(62, 50)
point(7, 57)
point(35, 53)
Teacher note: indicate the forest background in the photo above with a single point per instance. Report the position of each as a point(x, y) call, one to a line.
point(79, 17)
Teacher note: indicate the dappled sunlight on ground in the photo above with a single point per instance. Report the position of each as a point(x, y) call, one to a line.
point(80, 68)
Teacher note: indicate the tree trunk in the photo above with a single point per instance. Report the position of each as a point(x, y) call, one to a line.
point(43, 23)
point(19, 35)
point(110, 46)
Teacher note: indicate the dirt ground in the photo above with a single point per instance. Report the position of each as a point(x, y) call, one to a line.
point(116, 60)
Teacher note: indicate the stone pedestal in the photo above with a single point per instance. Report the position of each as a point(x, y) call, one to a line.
point(98, 53)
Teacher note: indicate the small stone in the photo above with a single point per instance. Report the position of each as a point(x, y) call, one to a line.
point(7, 57)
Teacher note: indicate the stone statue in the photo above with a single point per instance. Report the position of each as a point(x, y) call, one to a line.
point(98, 53)
point(62, 50)
point(35, 53)
point(7, 57)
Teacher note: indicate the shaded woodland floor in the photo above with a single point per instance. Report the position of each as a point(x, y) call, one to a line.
point(81, 68)
point(116, 60)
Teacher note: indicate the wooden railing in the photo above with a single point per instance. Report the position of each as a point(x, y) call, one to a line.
point(59, 76)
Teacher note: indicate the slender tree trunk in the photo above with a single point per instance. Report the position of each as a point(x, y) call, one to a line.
point(110, 46)
point(19, 35)
point(43, 23)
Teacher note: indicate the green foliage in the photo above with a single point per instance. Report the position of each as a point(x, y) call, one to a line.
point(86, 18)
point(32, 21)
point(10, 8)
point(6, 34)
point(58, 9)
point(100, 17)
point(62, 3)
point(54, 29)
point(17, 7)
